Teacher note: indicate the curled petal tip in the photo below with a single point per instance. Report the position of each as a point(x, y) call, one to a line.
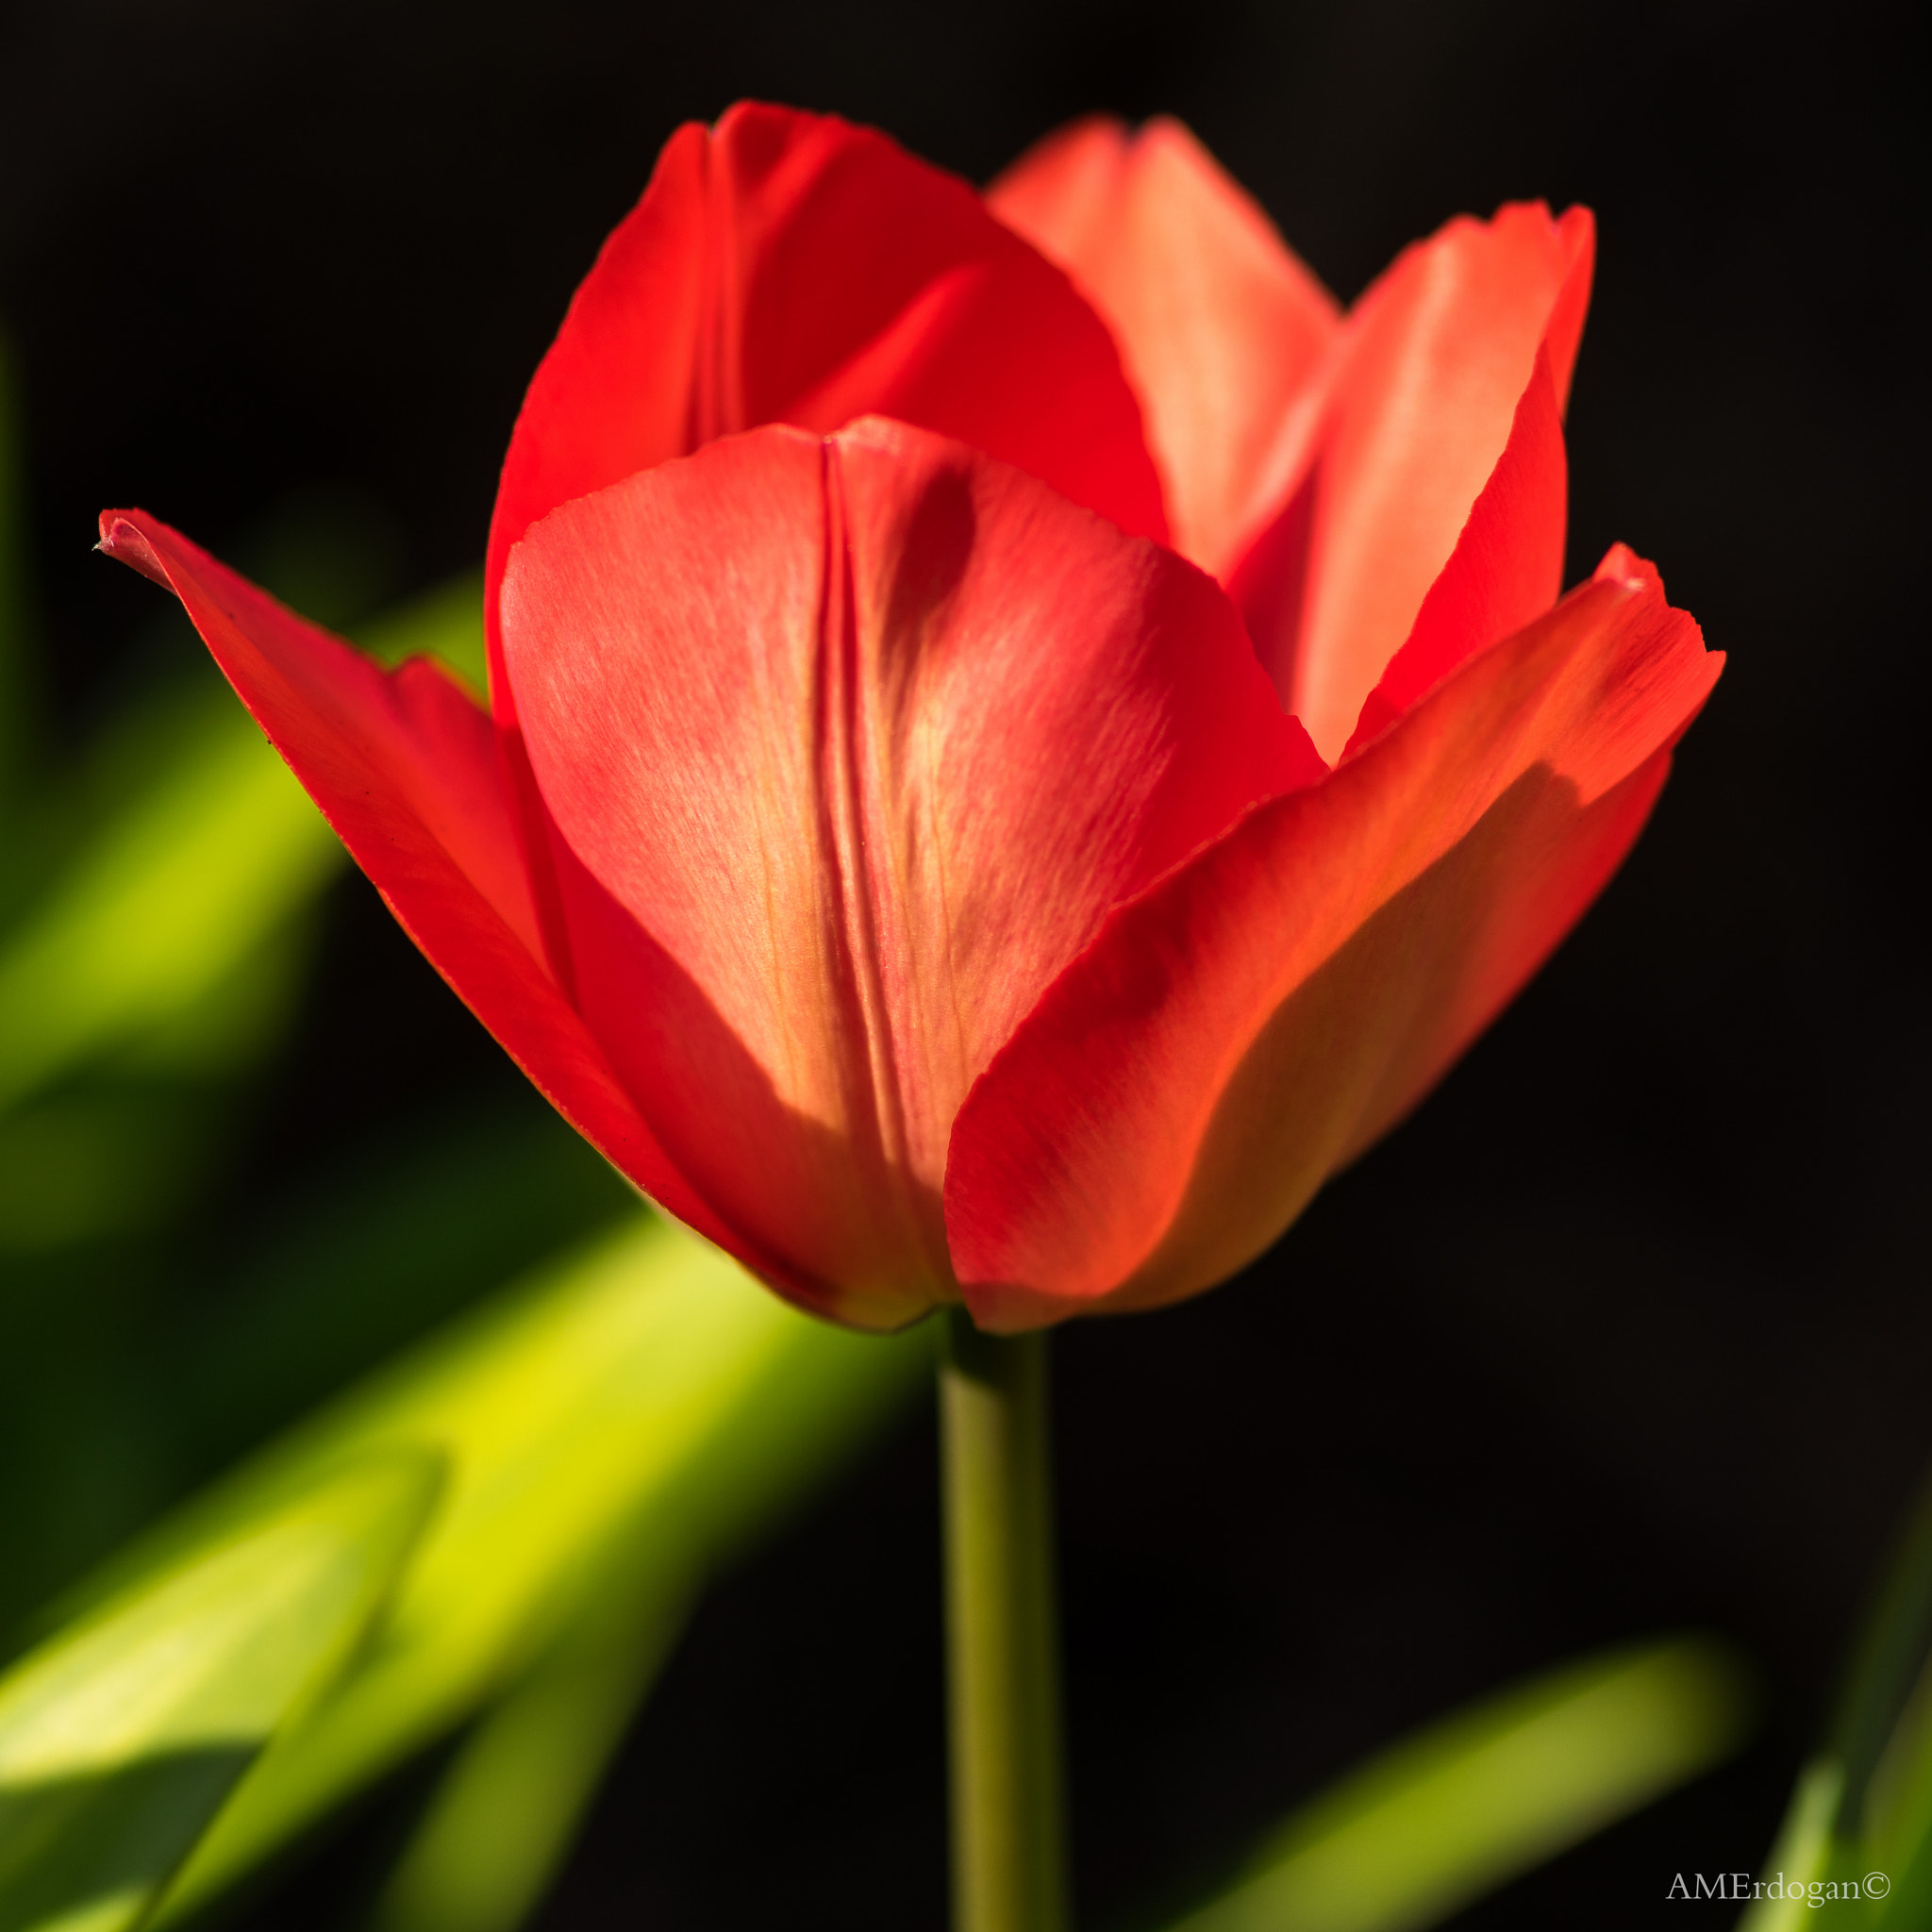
point(123, 540)
point(1621, 565)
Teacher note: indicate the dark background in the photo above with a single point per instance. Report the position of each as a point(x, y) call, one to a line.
point(1627, 1330)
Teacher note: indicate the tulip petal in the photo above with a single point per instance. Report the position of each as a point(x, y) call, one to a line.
point(1221, 330)
point(1506, 570)
point(849, 746)
point(790, 267)
point(403, 766)
point(1258, 1017)
point(1439, 354)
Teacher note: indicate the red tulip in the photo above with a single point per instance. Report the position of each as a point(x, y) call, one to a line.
point(998, 781)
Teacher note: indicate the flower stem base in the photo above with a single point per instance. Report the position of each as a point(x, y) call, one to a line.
point(1009, 1807)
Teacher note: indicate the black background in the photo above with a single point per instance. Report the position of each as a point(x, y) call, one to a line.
point(1627, 1330)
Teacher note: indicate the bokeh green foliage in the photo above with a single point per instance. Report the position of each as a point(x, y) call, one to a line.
point(612, 1428)
point(1863, 1805)
point(123, 1736)
point(609, 1405)
point(1446, 1816)
point(439, 1451)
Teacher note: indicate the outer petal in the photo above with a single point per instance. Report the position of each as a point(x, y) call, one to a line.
point(1221, 330)
point(1261, 1015)
point(1439, 354)
point(405, 767)
point(849, 747)
point(788, 267)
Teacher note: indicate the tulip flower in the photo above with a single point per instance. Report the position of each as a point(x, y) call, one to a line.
point(1021, 737)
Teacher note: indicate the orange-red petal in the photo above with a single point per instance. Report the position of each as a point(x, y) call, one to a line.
point(790, 267)
point(1221, 327)
point(1506, 567)
point(1439, 355)
point(1263, 1014)
point(404, 765)
point(850, 744)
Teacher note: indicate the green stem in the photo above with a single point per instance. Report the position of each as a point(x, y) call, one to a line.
point(1008, 1829)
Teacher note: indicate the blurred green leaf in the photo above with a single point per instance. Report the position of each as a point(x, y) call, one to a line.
point(190, 876)
point(122, 1737)
point(506, 1810)
point(144, 1345)
point(1887, 1669)
point(1490, 1792)
point(618, 1424)
point(1898, 1839)
point(1803, 1854)
point(367, 1253)
point(229, 1027)
point(172, 897)
point(1863, 1805)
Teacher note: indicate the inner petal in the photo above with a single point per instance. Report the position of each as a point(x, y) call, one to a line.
point(849, 746)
